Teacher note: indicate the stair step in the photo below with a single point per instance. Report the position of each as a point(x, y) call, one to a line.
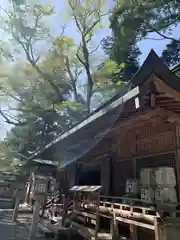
point(45, 231)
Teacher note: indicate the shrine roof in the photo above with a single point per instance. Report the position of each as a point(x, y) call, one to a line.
point(152, 65)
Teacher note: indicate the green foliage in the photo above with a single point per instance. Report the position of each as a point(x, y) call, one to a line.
point(171, 55)
point(47, 90)
point(19, 2)
point(103, 75)
point(132, 21)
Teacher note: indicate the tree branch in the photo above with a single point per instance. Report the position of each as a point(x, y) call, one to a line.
point(94, 50)
point(160, 34)
point(154, 39)
point(10, 95)
point(9, 121)
point(94, 24)
point(13, 151)
point(73, 80)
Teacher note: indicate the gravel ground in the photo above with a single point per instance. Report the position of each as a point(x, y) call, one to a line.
point(15, 231)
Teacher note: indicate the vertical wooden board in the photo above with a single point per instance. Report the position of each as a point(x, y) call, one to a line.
point(133, 232)
point(177, 155)
point(105, 176)
point(35, 220)
point(178, 171)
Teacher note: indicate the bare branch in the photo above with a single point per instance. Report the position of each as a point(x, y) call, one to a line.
point(161, 34)
point(94, 50)
point(5, 11)
point(154, 39)
point(78, 73)
point(72, 78)
point(10, 95)
point(80, 59)
point(94, 24)
point(9, 121)
point(13, 151)
point(78, 55)
point(75, 17)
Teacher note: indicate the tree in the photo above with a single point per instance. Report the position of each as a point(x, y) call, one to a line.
point(171, 55)
point(87, 16)
point(137, 20)
point(121, 46)
point(8, 164)
point(46, 92)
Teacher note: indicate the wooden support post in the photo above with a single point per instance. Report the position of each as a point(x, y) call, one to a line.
point(105, 175)
point(19, 195)
point(29, 197)
point(159, 230)
point(133, 232)
point(134, 168)
point(35, 220)
point(15, 212)
point(65, 209)
point(28, 189)
point(178, 171)
point(114, 227)
point(97, 216)
point(177, 154)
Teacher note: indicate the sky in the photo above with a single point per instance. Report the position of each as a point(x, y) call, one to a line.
point(55, 23)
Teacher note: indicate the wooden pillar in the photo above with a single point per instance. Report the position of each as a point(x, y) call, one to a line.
point(97, 216)
point(65, 192)
point(114, 227)
point(78, 173)
point(19, 196)
point(134, 167)
point(160, 233)
point(133, 232)
point(35, 220)
point(29, 197)
point(16, 208)
point(106, 175)
point(177, 155)
point(72, 175)
point(27, 194)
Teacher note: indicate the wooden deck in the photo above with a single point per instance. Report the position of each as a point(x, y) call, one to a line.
point(146, 218)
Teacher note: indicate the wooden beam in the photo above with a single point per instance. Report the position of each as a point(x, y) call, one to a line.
point(169, 104)
point(162, 86)
point(171, 116)
point(145, 155)
point(139, 224)
point(143, 117)
point(153, 100)
point(167, 101)
point(138, 116)
point(85, 214)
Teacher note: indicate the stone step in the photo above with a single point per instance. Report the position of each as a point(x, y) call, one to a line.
point(6, 203)
point(46, 232)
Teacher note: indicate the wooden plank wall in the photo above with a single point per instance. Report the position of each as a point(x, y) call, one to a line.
point(141, 143)
point(126, 148)
point(145, 140)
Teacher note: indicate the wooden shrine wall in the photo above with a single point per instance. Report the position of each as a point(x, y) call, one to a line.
point(123, 149)
point(139, 143)
point(145, 140)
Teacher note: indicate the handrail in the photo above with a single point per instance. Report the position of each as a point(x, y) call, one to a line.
point(49, 203)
